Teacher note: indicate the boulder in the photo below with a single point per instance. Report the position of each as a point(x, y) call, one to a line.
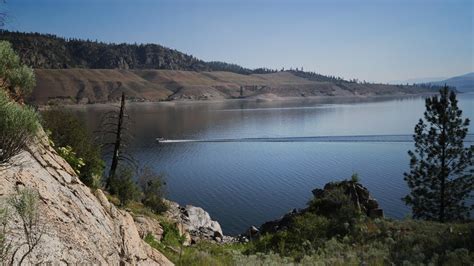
point(196, 222)
point(253, 230)
point(198, 219)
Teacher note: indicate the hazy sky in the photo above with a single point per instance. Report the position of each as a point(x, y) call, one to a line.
point(374, 40)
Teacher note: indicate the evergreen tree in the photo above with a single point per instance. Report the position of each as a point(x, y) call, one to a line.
point(441, 175)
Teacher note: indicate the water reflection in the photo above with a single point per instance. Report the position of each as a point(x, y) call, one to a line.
point(244, 183)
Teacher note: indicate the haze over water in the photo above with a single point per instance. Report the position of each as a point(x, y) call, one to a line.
point(243, 183)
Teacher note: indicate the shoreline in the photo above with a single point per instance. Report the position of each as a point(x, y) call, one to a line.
point(314, 99)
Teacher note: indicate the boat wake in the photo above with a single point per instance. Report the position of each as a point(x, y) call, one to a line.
point(357, 138)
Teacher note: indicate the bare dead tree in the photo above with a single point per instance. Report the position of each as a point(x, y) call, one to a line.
point(114, 138)
point(118, 138)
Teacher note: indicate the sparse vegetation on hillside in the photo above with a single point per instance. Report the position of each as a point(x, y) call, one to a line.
point(341, 235)
point(318, 77)
point(333, 230)
point(222, 66)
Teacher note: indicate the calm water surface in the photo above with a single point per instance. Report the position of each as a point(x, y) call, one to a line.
point(243, 183)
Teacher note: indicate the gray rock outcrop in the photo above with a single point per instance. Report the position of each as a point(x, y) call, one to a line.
point(79, 227)
point(196, 222)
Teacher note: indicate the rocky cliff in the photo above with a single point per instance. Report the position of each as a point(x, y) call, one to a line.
point(80, 226)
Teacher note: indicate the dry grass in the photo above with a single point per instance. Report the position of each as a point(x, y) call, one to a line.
point(106, 85)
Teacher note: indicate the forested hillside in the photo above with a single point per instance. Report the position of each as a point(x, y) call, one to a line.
point(50, 51)
point(47, 51)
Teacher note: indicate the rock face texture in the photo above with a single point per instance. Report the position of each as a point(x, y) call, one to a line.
point(80, 227)
point(147, 225)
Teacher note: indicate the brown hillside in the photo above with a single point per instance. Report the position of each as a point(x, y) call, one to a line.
point(93, 86)
point(106, 85)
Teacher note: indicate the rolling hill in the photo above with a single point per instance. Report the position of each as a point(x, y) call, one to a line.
point(84, 71)
point(106, 85)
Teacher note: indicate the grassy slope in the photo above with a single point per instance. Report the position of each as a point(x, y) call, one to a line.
point(371, 242)
point(96, 85)
point(105, 85)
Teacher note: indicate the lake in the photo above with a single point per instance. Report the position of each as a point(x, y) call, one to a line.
point(255, 161)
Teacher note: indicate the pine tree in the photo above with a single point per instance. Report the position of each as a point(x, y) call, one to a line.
point(441, 176)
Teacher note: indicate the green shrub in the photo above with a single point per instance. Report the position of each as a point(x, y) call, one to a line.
point(459, 256)
point(339, 208)
point(70, 156)
point(304, 236)
point(67, 131)
point(371, 242)
point(332, 215)
point(18, 126)
point(355, 178)
point(425, 242)
point(171, 235)
point(18, 79)
point(152, 188)
point(124, 187)
point(25, 206)
point(203, 253)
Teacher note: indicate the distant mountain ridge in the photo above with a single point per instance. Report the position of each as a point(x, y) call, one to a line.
point(417, 80)
point(463, 83)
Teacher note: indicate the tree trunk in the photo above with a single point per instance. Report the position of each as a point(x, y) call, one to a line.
point(443, 173)
point(118, 139)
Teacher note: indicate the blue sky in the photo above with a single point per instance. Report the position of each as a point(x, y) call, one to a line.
point(373, 40)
